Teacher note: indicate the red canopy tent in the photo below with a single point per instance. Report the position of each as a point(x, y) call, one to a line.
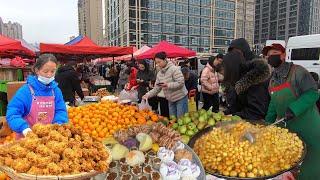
point(10, 48)
point(171, 50)
point(85, 47)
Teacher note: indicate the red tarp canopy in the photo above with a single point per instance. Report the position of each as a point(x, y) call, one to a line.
point(10, 48)
point(84, 47)
point(171, 50)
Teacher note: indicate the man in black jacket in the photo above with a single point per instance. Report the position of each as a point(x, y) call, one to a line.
point(69, 82)
point(191, 82)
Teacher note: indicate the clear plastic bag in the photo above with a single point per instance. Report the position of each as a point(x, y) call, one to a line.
point(131, 95)
point(144, 105)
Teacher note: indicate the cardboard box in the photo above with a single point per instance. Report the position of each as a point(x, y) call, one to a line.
point(12, 88)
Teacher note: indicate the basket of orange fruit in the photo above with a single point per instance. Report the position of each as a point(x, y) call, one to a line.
point(103, 119)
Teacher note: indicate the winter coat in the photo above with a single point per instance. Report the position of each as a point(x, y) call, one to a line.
point(250, 96)
point(20, 105)
point(292, 87)
point(192, 82)
point(133, 77)
point(147, 76)
point(242, 45)
point(69, 82)
point(209, 80)
point(173, 76)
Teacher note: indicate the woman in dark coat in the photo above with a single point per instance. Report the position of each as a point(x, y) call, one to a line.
point(250, 83)
point(144, 78)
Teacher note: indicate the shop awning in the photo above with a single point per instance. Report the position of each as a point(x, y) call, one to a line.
point(172, 51)
point(84, 46)
point(125, 57)
point(10, 48)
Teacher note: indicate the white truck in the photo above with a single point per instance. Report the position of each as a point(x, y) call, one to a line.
point(305, 51)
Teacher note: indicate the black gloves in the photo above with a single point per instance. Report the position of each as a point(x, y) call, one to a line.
point(289, 114)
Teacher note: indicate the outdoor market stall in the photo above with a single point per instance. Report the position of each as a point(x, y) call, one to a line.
point(172, 51)
point(12, 66)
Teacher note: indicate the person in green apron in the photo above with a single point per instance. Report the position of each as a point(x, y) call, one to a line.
point(293, 95)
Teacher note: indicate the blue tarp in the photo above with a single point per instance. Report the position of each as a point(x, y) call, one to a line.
point(75, 40)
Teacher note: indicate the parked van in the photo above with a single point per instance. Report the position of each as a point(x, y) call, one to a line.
point(305, 51)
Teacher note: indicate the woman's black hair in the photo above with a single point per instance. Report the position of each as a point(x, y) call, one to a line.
point(145, 63)
point(233, 65)
point(161, 55)
point(42, 60)
point(211, 60)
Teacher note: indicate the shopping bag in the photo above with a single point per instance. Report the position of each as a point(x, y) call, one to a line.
point(144, 105)
point(131, 95)
point(192, 105)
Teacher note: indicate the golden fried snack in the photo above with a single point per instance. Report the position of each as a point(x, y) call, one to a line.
point(87, 166)
point(2, 158)
point(54, 169)
point(55, 157)
point(30, 143)
point(88, 143)
point(103, 154)
point(56, 136)
point(43, 150)
point(69, 153)
point(41, 130)
point(43, 161)
point(8, 161)
point(35, 171)
point(65, 132)
point(45, 171)
point(76, 167)
point(56, 146)
point(32, 135)
point(101, 166)
point(17, 151)
point(65, 166)
point(74, 143)
point(21, 165)
point(32, 157)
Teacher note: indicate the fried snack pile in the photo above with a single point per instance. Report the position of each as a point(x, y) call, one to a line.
point(55, 150)
point(159, 133)
point(224, 152)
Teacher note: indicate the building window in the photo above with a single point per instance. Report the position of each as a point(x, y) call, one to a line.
point(205, 12)
point(154, 4)
point(195, 2)
point(168, 6)
point(194, 20)
point(205, 2)
point(194, 30)
point(194, 10)
point(205, 21)
point(180, 19)
point(168, 28)
point(167, 18)
point(181, 8)
point(205, 31)
point(181, 29)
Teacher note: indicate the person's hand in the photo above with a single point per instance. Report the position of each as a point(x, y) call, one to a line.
point(140, 81)
point(145, 97)
point(26, 131)
point(163, 85)
point(289, 114)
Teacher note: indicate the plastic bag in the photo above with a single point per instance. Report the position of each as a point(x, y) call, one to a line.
point(131, 95)
point(144, 105)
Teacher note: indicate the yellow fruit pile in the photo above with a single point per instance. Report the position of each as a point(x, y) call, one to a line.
point(105, 118)
point(225, 152)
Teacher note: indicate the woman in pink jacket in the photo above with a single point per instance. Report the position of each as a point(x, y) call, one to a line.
point(210, 86)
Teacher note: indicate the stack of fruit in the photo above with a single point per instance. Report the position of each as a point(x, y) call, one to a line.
point(191, 123)
point(105, 118)
point(101, 93)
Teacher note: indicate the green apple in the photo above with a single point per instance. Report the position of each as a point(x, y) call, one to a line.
point(209, 113)
point(183, 129)
point(185, 139)
point(186, 115)
point(196, 121)
point(180, 122)
point(191, 126)
point(202, 119)
point(190, 133)
point(196, 115)
point(217, 116)
point(172, 117)
point(201, 125)
point(235, 118)
point(175, 126)
point(196, 130)
point(187, 120)
point(211, 122)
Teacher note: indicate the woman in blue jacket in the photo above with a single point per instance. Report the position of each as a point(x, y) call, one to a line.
point(39, 100)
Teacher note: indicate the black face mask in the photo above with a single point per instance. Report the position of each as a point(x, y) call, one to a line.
point(274, 60)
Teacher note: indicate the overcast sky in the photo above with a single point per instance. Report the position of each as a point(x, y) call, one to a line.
point(51, 21)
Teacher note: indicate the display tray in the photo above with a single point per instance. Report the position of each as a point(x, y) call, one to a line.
point(197, 161)
point(208, 129)
point(84, 175)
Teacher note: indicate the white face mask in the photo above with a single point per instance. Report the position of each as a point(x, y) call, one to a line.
point(45, 80)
